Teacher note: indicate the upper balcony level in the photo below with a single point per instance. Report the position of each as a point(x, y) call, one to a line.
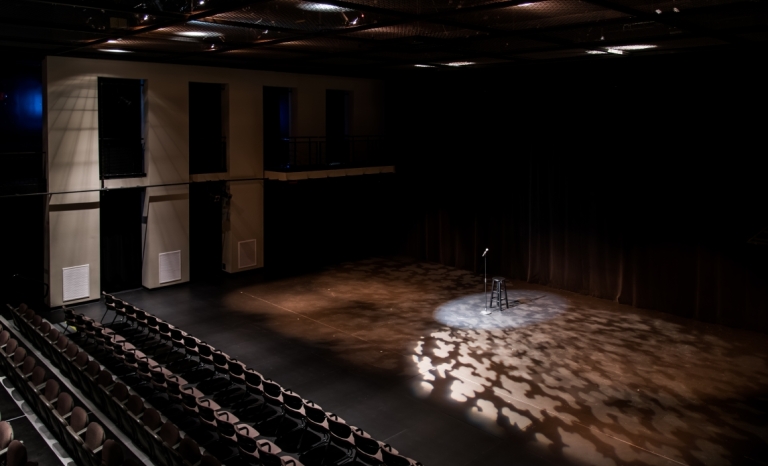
point(305, 157)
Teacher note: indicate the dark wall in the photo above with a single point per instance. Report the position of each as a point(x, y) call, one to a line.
point(21, 171)
point(632, 179)
point(312, 223)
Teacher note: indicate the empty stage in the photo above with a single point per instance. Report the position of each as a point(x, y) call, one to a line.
point(399, 348)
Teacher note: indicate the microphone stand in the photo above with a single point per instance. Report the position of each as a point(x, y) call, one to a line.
point(486, 312)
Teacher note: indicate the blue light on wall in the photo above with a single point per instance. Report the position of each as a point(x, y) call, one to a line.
point(28, 105)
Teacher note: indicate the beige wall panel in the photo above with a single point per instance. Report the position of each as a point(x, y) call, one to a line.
point(74, 240)
point(246, 222)
point(72, 140)
point(167, 230)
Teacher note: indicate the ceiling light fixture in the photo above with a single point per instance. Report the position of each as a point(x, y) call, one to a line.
point(525, 4)
point(321, 7)
point(424, 66)
point(198, 34)
point(633, 47)
point(460, 63)
point(615, 51)
point(596, 52)
point(115, 50)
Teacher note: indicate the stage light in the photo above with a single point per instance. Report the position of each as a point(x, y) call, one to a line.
point(115, 50)
point(596, 52)
point(460, 63)
point(324, 7)
point(525, 4)
point(424, 66)
point(615, 51)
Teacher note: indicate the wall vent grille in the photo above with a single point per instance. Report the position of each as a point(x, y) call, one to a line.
point(76, 282)
point(246, 253)
point(170, 266)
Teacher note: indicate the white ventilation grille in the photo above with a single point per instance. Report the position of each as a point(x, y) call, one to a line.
point(246, 253)
point(170, 266)
point(76, 282)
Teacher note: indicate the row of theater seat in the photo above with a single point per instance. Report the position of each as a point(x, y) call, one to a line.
point(238, 403)
point(156, 435)
point(249, 415)
point(280, 415)
point(85, 440)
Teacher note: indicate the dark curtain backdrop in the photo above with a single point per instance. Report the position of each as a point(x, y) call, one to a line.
point(634, 181)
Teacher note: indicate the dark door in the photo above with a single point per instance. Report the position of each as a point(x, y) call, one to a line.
point(121, 239)
point(207, 144)
point(337, 126)
point(277, 126)
point(205, 242)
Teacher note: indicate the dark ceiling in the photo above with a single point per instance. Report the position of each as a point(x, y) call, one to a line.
point(374, 36)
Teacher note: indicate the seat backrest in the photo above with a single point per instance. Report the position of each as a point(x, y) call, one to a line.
point(64, 403)
point(93, 368)
point(62, 343)
point(81, 360)
point(37, 321)
point(205, 351)
point(4, 337)
point(177, 335)
point(236, 371)
point(11, 346)
point(104, 379)
point(254, 380)
point(220, 359)
point(52, 390)
point(53, 335)
point(112, 454)
point(38, 376)
point(28, 364)
point(17, 454)
point(6, 435)
point(315, 415)
point(339, 428)
point(272, 389)
point(189, 450)
point(19, 355)
point(135, 405)
point(79, 419)
point(152, 419)
point(120, 392)
point(169, 433)
point(94, 436)
point(207, 409)
point(364, 442)
point(45, 327)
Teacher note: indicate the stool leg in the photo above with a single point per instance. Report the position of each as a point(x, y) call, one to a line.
point(498, 297)
point(493, 288)
point(506, 298)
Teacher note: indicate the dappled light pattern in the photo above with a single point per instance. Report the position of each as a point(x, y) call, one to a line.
point(577, 379)
point(526, 307)
point(603, 387)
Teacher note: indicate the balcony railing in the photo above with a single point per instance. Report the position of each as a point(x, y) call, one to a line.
point(321, 153)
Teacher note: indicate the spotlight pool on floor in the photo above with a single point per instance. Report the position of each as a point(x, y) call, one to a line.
point(526, 307)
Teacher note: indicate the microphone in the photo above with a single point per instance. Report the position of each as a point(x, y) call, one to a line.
point(486, 251)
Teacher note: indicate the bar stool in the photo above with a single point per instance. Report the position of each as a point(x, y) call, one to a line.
point(499, 285)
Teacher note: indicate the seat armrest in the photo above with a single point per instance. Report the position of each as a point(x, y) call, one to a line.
point(98, 449)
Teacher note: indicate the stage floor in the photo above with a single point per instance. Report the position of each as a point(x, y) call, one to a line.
point(400, 349)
